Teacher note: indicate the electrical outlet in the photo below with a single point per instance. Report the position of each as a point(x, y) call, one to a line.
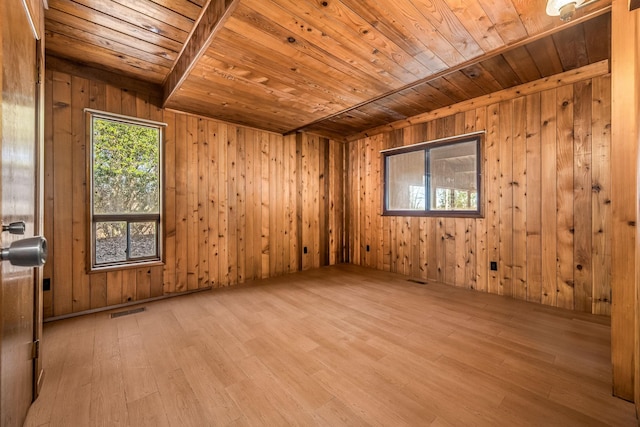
point(368, 248)
point(494, 266)
point(46, 284)
point(304, 250)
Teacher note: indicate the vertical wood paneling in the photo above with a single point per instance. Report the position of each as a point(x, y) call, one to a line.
point(250, 209)
point(564, 197)
point(241, 189)
point(142, 282)
point(62, 280)
point(378, 235)
point(323, 205)
point(365, 200)
point(80, 100)
point(406, 245)
point(441, 237)
point(520, 207)
point(548, 207)
point(265, 200)
point(230, 201)
point(546, 201)
point(169, 179)
point(461, 242)
point(212, 157)
point(582, 195)
point(294, 247)
point(482, 250)
point(601, 199)
point(156, 285)
point(129, 277)
point(181, 165)
point(534, 200)
point(223, 214)
point(470, 249)
point(414, 259)
point(336, 205)
point(192, 203)
point(505, 265)
point(128, 104)
point(314, 179)
point(98, 283)
point(232, 204)
point(357, 211)
point(492, 194)
point(202, 212)
point(114, 287)
point(287, 214)
point(279, 205)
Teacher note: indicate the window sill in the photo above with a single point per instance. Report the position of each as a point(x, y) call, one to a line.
point(438, 214)
point(128, 266)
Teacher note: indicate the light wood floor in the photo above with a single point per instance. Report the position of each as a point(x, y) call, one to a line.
point(336, 346)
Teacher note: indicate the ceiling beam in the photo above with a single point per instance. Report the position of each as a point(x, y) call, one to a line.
point(458, 67)
point(214, 14)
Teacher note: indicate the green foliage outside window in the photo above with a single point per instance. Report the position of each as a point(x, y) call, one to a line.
point(126, 175)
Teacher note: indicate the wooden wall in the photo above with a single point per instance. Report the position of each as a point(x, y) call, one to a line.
point(239, 203)
point(625, 177)
point(547, 208)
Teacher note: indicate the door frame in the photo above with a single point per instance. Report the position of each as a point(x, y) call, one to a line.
point(38, 223)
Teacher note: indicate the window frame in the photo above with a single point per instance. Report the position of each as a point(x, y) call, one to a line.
point(425, 147)
point(129, 219)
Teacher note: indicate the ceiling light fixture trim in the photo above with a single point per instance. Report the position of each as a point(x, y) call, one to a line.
point(565, 9)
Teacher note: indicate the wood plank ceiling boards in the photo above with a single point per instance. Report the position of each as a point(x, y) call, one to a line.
point(333, 67)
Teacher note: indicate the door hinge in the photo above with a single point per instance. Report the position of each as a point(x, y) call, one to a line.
point(39, 62)
point(35, 349)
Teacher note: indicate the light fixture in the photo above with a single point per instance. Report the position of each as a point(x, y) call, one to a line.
point(565, 9)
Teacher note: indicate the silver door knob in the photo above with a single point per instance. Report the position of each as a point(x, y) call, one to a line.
point(15, 227)
point(30, 252)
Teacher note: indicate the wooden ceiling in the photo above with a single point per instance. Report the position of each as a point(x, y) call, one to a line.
point(334, 67)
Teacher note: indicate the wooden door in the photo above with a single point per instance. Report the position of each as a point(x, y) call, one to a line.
point(17, 203)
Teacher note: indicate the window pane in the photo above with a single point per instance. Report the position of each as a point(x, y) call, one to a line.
point(126, 168)
point(143, 239)
point(406, 181)
point(111, 242)
point(454, 176)
point(443, 198)
point(473, 198)
point(461, 199)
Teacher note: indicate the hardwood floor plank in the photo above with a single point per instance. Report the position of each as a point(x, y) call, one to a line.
point(108, 403)
point(336, 412)
point(277, 394)
point(341, 345)
point(219, 405)
point(71, 407)
point(179, 401)
point(147, 411)
point(139, 380)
